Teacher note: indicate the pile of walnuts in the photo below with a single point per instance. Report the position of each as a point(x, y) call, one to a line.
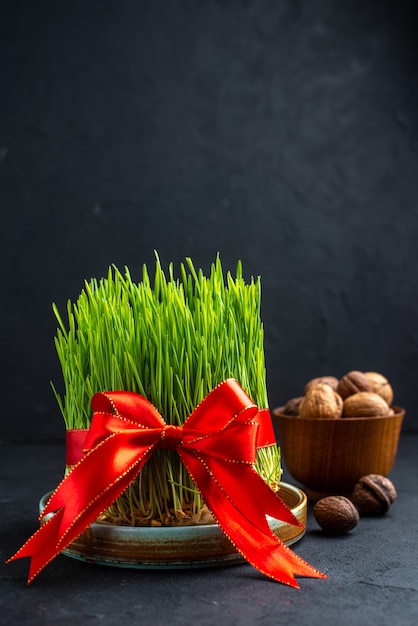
point(357, 394)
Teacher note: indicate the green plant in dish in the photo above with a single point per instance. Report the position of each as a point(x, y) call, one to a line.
point(171, 339)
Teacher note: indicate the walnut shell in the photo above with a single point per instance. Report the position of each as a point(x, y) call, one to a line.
point(321, 402)
point(336, 515)
point(332, 381)
point(374, 494)
point(353, 382)
point(292, 406)
point(380, 385)
point(365, 404)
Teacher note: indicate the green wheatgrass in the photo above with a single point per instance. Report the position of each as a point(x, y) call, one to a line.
point(172, 340)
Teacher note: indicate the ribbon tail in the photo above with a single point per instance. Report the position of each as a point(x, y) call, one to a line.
point(74, 505)
point(42, 546)
point(265, 551)
point(254, 540)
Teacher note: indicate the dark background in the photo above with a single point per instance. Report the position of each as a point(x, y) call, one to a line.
point(282, 133)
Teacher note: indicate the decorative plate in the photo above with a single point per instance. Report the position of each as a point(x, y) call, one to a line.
point(174, 547)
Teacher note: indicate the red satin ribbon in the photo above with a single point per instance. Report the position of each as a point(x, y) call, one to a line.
point(76, 438)
point(217, 444)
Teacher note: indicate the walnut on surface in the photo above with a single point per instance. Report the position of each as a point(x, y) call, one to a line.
point(336, 515)
point(365, 404)
point(321, 401)
point(380, 384)
point(353, 382)
point(373, 494)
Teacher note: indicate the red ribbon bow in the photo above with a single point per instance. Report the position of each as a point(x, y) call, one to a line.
point(217, 444)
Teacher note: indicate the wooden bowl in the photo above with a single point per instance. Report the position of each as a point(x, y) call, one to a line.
point(329, 455)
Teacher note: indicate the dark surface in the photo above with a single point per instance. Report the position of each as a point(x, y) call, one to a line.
point(279, 132)
point(373, 571)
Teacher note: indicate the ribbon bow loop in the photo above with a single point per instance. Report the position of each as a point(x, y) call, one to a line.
point(217, 444)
